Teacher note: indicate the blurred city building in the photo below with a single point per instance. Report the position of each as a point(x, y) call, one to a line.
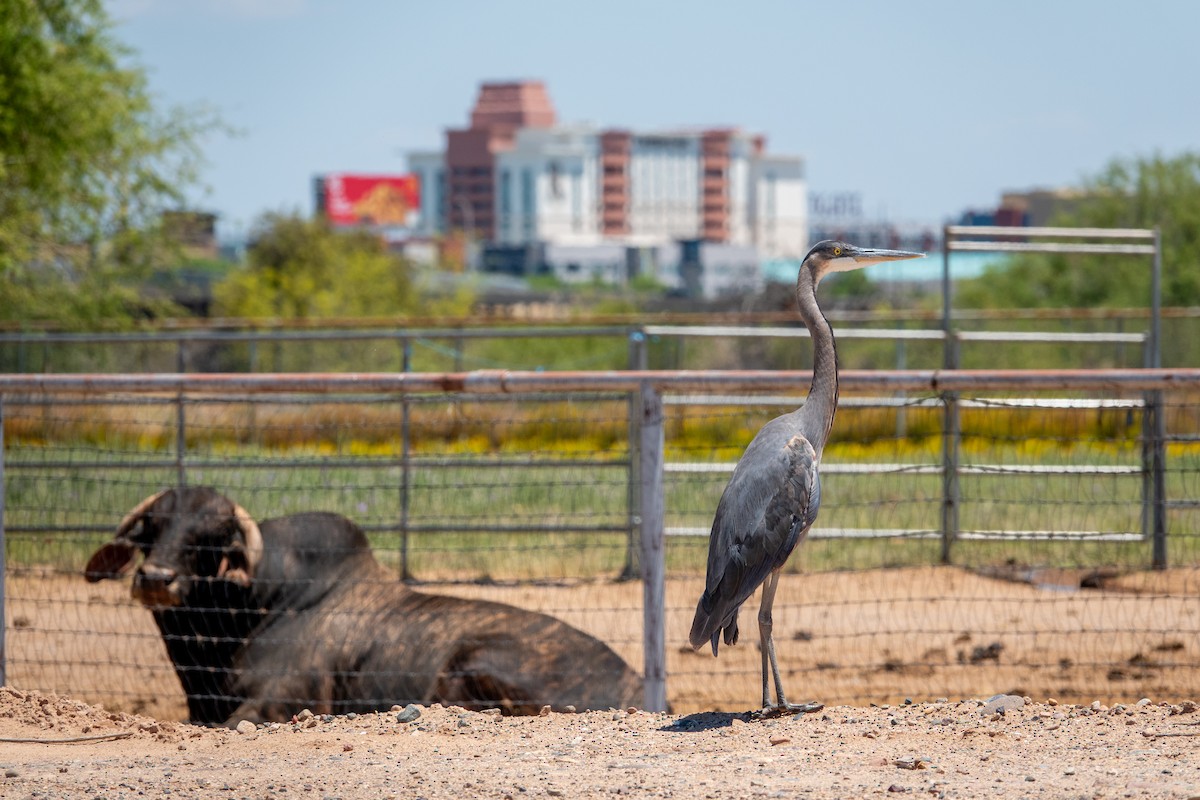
point(1034, 208)
point(694, 210)
point(194, 231)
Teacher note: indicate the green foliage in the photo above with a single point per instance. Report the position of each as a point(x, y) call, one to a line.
point(1139, 193)
point(303, 269)
point(646, 284)
point(87, 164)
point(855, 287)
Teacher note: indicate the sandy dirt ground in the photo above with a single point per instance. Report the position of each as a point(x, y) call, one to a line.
point(55, 747)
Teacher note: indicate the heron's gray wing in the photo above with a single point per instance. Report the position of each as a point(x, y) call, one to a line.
point(769, 504)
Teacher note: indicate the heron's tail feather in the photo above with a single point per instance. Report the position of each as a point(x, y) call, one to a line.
point(710, 623)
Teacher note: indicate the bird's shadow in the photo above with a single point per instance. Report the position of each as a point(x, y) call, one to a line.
point(705, 721)
point(711, 720)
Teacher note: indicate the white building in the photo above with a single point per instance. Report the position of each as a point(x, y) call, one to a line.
point(576, 194)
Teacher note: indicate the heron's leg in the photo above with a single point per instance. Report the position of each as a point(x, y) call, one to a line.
point(768, 656)
point(768, 641)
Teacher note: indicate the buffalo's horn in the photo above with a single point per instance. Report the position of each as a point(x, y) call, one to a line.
point(138, 512)
point(254, 542)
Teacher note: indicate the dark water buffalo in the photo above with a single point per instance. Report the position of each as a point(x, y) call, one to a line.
point(264, 619)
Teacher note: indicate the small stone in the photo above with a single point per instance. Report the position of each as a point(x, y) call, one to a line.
point(148, 727)
point(491, 712)
point(409, 713)
point(545, 712)
point(346, 748)
point(569, 709)
point(1001, 704)
point(10, 773)
point(1052, 702)
point(246, 726)
point(631, 710)
point(778, 740)
point(303, 715)
point(1145, 701)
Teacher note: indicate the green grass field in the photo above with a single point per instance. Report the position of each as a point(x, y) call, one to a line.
point(540, 516)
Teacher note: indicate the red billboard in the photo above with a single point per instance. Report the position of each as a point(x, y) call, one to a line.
point(378, 200)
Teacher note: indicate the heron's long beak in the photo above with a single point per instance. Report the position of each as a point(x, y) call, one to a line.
point(865, 256)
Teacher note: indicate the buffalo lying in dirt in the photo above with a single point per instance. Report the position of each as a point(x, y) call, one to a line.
point(262, 620)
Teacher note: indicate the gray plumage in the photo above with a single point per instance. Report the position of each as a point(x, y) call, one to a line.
point(773, 496)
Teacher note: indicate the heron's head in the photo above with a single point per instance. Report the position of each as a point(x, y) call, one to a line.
point(830, 256)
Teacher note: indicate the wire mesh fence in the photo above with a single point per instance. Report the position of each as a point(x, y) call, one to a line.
point(528, 490)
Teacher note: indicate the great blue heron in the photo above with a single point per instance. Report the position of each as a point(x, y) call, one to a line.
point(772, 498)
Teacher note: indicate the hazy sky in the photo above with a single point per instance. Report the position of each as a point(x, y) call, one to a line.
point(925, 108)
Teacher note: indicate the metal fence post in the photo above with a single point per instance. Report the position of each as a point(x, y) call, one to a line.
point(1156, 429)
point(180, 424)
point(1158, 442)
point(1147, 445)
point(901, 363)
point(653, 550)
point(951, 448)
point(947, 299)
point(3, 551)
point(252, 367)
point(405, 462)
point(637, 361)
point(950, 491)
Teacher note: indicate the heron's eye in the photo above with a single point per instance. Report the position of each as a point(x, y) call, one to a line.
point(837, 251)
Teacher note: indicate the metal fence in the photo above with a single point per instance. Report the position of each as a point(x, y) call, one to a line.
point(979, 531)
point(762, 345)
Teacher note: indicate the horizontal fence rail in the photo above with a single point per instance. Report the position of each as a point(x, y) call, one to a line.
point(547, 487)
point(525, 382)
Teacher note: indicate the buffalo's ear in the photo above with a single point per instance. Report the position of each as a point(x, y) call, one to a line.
point(111, 561)
point(240, 561)
point(233, 567)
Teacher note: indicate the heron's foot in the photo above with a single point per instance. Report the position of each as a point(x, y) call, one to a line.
point(786, 710)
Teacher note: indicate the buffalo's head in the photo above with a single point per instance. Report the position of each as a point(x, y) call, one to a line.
point(184, 536)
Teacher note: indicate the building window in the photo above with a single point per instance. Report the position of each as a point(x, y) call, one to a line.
point(577, 201)
point(505, 200)
point(528, 202)
point(555, 181)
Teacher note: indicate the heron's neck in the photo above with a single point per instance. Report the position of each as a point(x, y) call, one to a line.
point(818, 410)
